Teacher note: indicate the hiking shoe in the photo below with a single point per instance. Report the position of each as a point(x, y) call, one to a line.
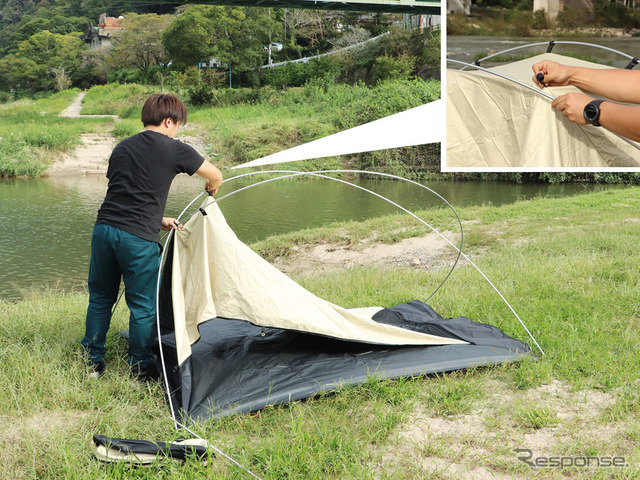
point(144, 374)
point(97, 369)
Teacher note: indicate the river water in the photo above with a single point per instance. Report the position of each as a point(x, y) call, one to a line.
point(467, 48)
point(47, 222)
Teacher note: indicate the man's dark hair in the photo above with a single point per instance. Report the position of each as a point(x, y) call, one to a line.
point(161, 106)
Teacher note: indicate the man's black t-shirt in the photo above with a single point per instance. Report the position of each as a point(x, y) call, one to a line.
point(141, 169)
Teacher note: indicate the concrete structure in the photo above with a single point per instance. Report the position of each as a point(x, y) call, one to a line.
point(584, 8)
point(454, 6)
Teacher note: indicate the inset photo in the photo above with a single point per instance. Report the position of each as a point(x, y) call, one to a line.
point(536, 90)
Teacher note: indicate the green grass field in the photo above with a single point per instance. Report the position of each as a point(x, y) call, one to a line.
point(569, 267)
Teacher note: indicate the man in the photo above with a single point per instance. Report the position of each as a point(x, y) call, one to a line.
point(125, 242)
point(617, 85)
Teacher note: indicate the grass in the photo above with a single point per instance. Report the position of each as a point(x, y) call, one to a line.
point(32, 135)
point(569, 266)
point(246, 126)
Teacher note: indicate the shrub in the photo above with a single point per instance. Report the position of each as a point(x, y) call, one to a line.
point(540, 21)
point(388, 68)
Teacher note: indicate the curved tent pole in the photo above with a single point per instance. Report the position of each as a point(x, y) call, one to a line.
point(176, 423)
point(289, 174)
point(460, 252)
point(318, 174)
point(532, 88)
point(551, 44)
point(506, 77)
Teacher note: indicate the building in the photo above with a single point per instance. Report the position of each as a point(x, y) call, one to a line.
point(102, 34)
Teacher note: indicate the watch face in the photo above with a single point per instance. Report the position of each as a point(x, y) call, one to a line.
point(590, 111)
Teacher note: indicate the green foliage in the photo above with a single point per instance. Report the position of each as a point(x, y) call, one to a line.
point(417, 163)
point(388, 68)
point(298, 74)
point(453, 395)
point(521, 23)
point(201, 95)
point(625, 178)
point(540, 21)
point(494, 17)
point(53, 19)
point(44, 62)
point(251, 122)
point(569, 18)
point(616, 15)
point(233, 35)
point(399, 55)
point(139, 45)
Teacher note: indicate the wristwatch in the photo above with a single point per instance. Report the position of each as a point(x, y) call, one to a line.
point(592, 112)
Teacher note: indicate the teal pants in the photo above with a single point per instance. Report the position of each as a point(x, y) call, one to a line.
point(116, 254)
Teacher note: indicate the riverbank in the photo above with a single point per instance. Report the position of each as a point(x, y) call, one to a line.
point(569, 268)
point(246, 124)
point(609, 19)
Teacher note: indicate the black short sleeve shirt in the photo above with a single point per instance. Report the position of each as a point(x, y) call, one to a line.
point(141, 169)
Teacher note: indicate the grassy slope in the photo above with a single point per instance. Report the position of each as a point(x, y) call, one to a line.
point(569, 266)
point(32, 134)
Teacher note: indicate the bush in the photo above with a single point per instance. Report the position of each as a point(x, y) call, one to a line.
point(5, 97)
point(540, 21)
point(569, 18)
point(388, 68)
point(520, 24)
point(200, 95)
point(616, 15)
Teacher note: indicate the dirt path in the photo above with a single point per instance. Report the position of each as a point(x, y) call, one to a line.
point(91, 157)
point(418, 253)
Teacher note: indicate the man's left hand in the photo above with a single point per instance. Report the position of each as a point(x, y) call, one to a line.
point(169, 224)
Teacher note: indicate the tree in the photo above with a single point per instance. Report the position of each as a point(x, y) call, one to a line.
point(39, 61)
point(191, 38)
point(234, 35)
point(139, 45)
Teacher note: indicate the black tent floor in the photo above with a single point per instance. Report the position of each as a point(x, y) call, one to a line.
point(238, 367)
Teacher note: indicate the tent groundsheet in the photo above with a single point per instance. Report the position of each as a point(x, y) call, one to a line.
point(238, 335)
point(237, 367)
point(494, 123)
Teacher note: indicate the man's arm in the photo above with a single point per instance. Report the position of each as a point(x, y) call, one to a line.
point(622, 119)
point(618, 84)
point(213, 176)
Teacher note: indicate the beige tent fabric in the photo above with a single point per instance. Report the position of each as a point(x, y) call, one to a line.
point(215, 274)
point(495, 123)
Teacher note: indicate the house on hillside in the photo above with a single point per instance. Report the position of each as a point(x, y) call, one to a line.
point(102, 34)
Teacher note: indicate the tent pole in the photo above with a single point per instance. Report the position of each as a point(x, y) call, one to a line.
point(534, 89)
point(319, 174)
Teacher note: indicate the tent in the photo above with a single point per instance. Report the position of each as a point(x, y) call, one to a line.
point(496, 123)
point(237, 335)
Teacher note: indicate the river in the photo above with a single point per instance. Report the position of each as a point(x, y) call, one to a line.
point(48, 222)
point(468, 48)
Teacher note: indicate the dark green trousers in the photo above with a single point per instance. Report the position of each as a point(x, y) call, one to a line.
point(115, 255)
